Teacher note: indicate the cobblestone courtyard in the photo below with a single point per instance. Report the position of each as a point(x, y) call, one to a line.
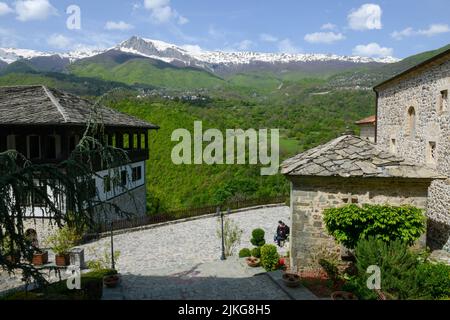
point(167, 249)
point(182, 260)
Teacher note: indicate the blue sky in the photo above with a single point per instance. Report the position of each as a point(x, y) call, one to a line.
point(372, 28)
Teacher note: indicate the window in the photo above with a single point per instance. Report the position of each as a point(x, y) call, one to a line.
point(73, 142)
point(432, 152)
point(11, 142)
point(135, 142)
point(107, 184)
point(123, 178)
point(34, 147)
point(137, 173)
point(443, 101)
point(24, 199)
point(126, 141)
point(3, 143)
point(92, 189)
point(394, 146)
point(51, 147)
point(412, 122)
point(39, 194)
point(143, 142)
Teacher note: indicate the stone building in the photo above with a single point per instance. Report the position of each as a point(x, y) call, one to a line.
point(45, 125)
point(367, 127)
point(409, 163)
point(413, 121)
point(346, 170)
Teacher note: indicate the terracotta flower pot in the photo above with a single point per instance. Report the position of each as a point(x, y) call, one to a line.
point(291, 280)
point(40, 259)
point(111, 281)
point(343, 295)
point(62, 260)
point(253, 262)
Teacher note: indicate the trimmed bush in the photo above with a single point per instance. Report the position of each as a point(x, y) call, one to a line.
point(351, 223)
point(258, 238)
point(256, 252)
point(244, 253)
point(269, 257)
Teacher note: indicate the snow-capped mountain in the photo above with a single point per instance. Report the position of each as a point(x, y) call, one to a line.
point(194, 56)
point(170, 52)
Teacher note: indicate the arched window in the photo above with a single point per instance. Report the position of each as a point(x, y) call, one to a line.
point(412, 121)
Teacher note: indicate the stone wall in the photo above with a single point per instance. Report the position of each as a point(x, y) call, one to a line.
point(422, 92)
point(311, 195)
point(367, 132)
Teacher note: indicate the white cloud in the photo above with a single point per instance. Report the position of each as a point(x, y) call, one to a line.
point(121, 25)
point(324, 37)
point(267, 37)
point(5, 9)
point(182, 20)
point(328, 26)
point(367, 17)
point(59, 41)
point(435, 29)
point(155, 4)
point(372, 50)
point(398, 35)
point(162, 12)
point(34, 10)
point(432, 30)
point(287, 46)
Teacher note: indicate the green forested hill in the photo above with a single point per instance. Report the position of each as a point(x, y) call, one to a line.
point(308, 110)
point(312, 120)
point(137, 70)
point(173, 186)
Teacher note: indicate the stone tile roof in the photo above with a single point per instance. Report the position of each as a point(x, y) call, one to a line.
point(368, 120)
point(352, 156)
point(39, 105)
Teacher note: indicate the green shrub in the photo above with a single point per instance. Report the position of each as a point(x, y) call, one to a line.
point(256, 252)
point(351, 223)
point(244, 253)
point(258, 237)
point(63, 240)
point(269, 257)
point(434, 280)
point(397, 264)
point(331, 269)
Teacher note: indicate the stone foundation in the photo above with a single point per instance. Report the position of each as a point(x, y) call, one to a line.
point(310, 196)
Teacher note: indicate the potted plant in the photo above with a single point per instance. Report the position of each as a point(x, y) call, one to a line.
point(343, 295)
point(111, 281)
point(61, 242)
point(291, 280)
point(40, 257)
point(253, 262)
point(11, 254)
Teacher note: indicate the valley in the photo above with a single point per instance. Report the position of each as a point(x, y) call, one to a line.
point(310, 98)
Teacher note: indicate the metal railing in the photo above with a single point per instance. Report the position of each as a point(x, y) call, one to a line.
point(136, 222)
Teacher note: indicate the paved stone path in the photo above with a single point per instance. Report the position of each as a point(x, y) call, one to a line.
point(218, 280)
point(181, 260)
point(164, 250)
